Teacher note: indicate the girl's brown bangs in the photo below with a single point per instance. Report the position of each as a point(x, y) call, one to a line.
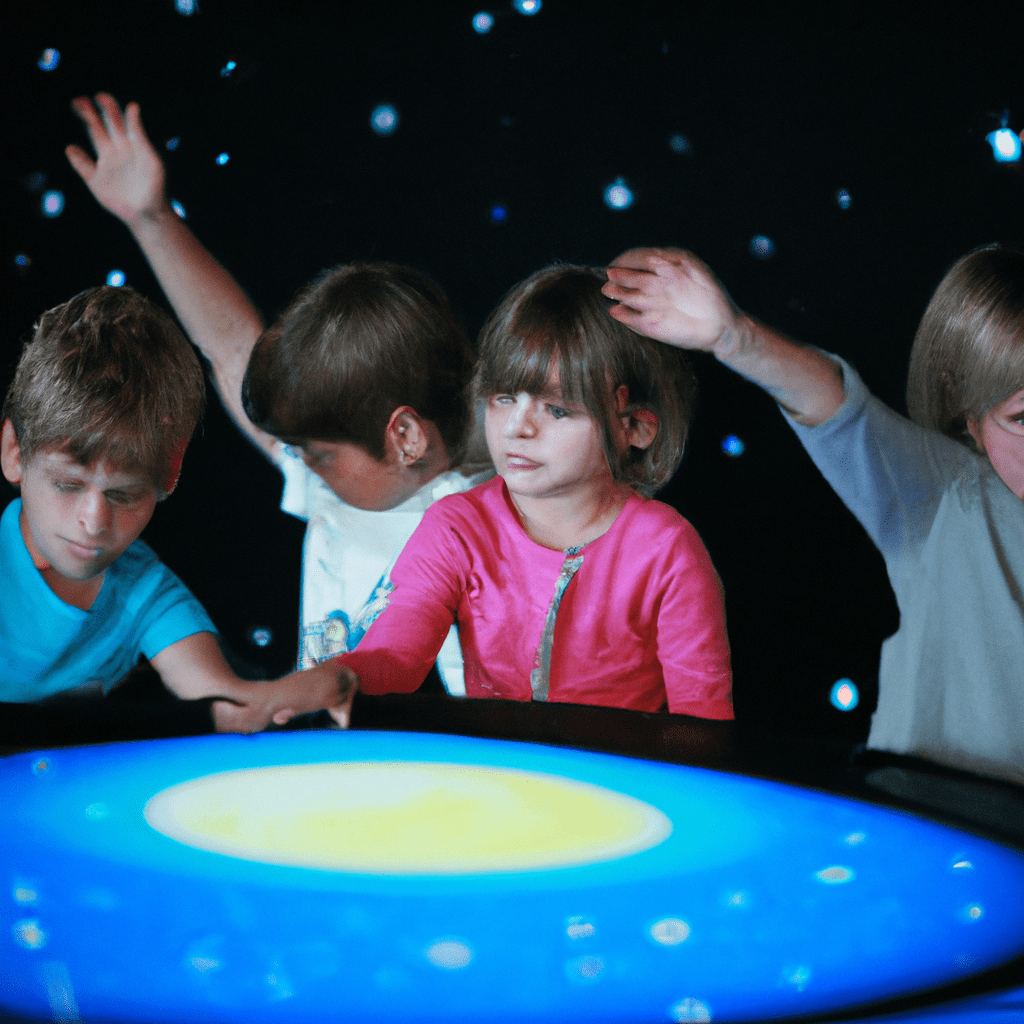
point(514, 368)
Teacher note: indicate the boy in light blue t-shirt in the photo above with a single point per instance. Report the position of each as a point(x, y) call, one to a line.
point(105, 398)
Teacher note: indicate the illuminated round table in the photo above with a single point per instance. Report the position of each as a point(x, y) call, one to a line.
point(392, 876)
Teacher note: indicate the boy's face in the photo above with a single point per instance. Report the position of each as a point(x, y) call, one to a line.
point(77, 519)
point(355, 476)
point(1000, 435)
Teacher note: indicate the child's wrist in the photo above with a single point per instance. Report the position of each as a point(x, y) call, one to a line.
point(150, 217)
point(735, 339)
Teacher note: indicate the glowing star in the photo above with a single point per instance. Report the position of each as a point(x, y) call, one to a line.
point(48, 59)
point(843, 199)
point(499, 214)
point(845, 695)
point(116, 278)
point(689, 1010)
point(733, 446)
point(670, 931)
point(28, 934)
point(527, 6)
point(584, 969)
point(262, 637)
point(762, 247)
point(579, 928)
point(680, 144)
point(222, 159)
point(53, 203)
point(835, 875)
point(449, 954)
point(1006, 145)
point(618, 195)
point(384, 119)
point(483, 22)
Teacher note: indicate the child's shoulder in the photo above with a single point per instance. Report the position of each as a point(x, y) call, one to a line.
point(140, 570)
point(480, 496)
point(653, 511)
point(658, 527)
point(479, 510)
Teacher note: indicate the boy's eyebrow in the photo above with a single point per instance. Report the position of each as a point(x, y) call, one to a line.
point(61, 462)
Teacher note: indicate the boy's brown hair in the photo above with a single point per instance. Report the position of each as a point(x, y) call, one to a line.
point(359, 342)
point(968, 353)
point(560, 313)
point(109, 375)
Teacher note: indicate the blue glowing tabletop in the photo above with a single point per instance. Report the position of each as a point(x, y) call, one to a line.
point(383, 876)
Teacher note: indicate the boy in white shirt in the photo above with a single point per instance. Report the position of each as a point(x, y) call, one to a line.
point(357, 393)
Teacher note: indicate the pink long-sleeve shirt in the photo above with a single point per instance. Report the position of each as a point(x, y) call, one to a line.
point(634, 619)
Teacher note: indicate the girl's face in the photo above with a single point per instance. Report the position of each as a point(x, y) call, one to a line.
point(544, 446)
point(1000, 436)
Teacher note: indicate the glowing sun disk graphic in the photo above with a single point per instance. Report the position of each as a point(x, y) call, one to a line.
point(408, 818)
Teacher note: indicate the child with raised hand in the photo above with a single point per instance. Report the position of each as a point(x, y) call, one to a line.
point(357, 393)
point(105, 398)
point(567, 582)
point(940, 495)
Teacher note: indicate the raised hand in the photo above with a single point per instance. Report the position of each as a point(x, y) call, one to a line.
point(127, 176)
point(671, 296)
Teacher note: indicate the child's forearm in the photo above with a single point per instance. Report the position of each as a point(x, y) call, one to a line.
point(194, 669)
point(804, 381)
point(212, 307)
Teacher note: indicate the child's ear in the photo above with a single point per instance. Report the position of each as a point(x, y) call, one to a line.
point(642, 428)
point(974, 429)
point(174, 466)
point(405, 440)
point(641, 425)
point(10, 454)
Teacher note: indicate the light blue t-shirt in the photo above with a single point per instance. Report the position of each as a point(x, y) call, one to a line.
point(49, 647)
point(951, 679)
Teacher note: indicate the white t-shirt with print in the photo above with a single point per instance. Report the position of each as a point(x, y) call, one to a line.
point(348, 551)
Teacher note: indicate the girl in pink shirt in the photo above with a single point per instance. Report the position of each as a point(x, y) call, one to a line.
point(568, 583)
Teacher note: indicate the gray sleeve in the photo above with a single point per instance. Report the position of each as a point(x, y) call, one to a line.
point(889, 472)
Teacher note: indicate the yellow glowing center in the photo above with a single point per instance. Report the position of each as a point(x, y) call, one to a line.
point(398, 818)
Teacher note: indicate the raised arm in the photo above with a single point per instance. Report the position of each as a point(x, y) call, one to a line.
point(127, 178)
point(671, 296)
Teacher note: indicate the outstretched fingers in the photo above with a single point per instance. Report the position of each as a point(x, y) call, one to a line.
point(90, 117)
point(83, 164)
point(127, 175)
point(110, 112)
point(133, 124)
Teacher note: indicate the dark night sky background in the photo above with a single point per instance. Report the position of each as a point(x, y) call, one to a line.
point(781, 109)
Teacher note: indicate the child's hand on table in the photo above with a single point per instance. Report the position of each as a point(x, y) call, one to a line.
point(329, 686)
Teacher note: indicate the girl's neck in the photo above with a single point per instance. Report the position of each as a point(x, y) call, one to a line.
point(570, 521)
